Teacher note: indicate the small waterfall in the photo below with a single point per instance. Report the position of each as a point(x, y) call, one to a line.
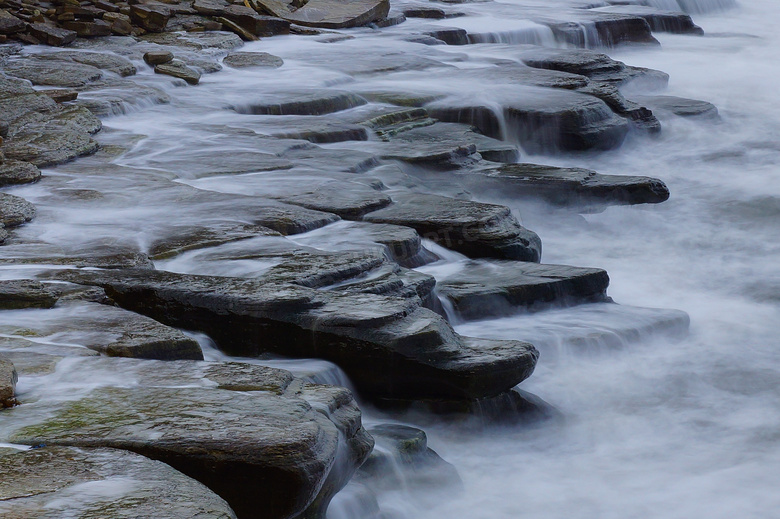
point(694, 6)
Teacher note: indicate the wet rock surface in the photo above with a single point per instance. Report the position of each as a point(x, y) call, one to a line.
point(51, 482)
point(248, 432)
point(8, 379)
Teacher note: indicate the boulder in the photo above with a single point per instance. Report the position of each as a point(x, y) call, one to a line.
point(178, 69)
point(471, 228)
point(257, 436)
point(13, 172)
point(158, 57)
point(15, 210)
point(329, 14)
point(388, 345)
point(577, 188)
point(487, 289)
point(8, 379)
point(25, 293)
point(85, 482)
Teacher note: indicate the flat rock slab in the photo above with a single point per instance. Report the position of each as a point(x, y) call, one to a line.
point(577, 188)
point(25, 293)
point(108, 330)
point(252, 59)
point(472, 228)
point(388, 345)
point(54, 482)
point(15, 210)
point(256, 436)
point(102, 60)
point(349, 200)
point(104, 257)
point(302, 102)
point(488, 289)
point(680, 106)
point(180, 239)
point(658, 19)
point(180, 70)
point(14, 172)
point(8, 379)
point(54, 73)
point(328, 14)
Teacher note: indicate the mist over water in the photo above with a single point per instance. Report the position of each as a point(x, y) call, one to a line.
point(650, 425)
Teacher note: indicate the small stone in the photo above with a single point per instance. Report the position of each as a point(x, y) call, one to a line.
point(178, 69)
point(158, 57)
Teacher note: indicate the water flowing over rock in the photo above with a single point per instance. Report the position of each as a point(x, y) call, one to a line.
point(51, 481)
point(326, 13)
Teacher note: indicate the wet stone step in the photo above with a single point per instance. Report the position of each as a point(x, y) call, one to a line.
point(301, 102)
point(471, 228)
point(482, 289)
point(658, 19)
point(575, 188)
point(85, 482)
point(257, 436)
point(388, 345)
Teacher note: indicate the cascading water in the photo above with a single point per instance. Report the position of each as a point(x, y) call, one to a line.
point(649, 423)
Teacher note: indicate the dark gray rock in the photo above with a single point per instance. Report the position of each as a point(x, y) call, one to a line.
point(565, 187)
point(350, 201)
point(8, 379)
point(252, 59)
point(50, 35)
point(54, 73)
point(26, 293)
point(80, 256)
point(302, 102)
point(680, 106)
point(249, 433)
point(184, 238)
point(13, 172)
point(609, 29)
point(15, 210)
point(658, 19)
point(254, 23)
point(639, 116)
point(388, 345)
point(485, 289)
point(51, 482)
point(10, 24)
point(50, 143)
point(328, 14)
point(472, 228)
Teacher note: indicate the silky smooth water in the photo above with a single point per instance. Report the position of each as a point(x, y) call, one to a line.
point(651, 426)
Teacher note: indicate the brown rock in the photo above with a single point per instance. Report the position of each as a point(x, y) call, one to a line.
point(258, 25)
point(61, 95)
point(89, 29)
point(152, 17)
point(178, 69)
point(50, 35)
point(237, 29)
point(158, 57)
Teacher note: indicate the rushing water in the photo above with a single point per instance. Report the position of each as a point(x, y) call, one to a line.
point(652, 426)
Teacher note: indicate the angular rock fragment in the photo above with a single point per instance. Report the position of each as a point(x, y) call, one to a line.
point(78, 482)
point(152, 17)
point(88, 28)
point(10, 24)
point(475, 229)
point(50, 35)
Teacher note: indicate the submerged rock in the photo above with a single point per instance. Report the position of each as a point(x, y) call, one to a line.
point(178, 69)
point(302, 102)
point(252, 59)
point(475, 229)
point(680, 106)
point(258, 437)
